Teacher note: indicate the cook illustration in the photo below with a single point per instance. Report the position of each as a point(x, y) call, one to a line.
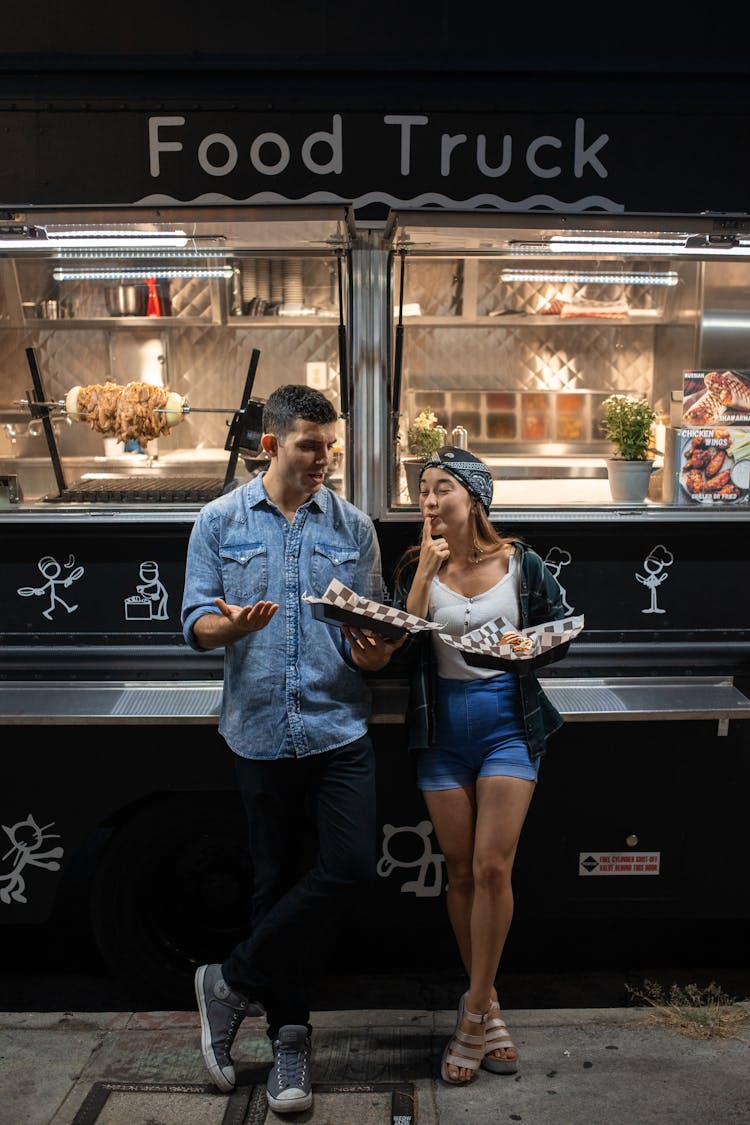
point(151, 599)
point(656, 564)
point(52, 571)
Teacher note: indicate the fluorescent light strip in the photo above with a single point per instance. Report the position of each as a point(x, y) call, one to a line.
point(141, 255)
point(116, 238)
point(138, 275)
point(25, 244)
point(646, 249)
point(569, 244)
point(91, 242)
point(599, 240)
point(591, 277)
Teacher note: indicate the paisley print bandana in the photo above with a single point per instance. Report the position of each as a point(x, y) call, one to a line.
point(464, 466)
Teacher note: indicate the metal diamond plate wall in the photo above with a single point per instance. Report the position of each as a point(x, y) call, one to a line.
point(595, 356)
point(209, 366)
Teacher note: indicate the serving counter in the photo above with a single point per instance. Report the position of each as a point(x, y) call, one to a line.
point(592, 699)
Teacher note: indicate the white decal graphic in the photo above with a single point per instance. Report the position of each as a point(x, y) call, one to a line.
point(484, 201)
point(555, 559)
point(656, 564)
point(51, 569)
point(26, 838)
point(428, 863)
point(149, 603)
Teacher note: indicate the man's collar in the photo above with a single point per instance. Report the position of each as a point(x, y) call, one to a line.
point(257, 495)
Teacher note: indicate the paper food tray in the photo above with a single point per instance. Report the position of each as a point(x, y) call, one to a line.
point(481, 648)
point(341, 606)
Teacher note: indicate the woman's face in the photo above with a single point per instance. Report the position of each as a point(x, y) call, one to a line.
point(443, 501)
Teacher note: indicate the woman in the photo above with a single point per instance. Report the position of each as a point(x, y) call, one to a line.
point(478, 733)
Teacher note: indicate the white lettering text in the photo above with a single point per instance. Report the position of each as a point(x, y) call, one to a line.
point(155, 146)
point(406, 124)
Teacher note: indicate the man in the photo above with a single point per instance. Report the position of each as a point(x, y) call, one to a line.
point(295, 709)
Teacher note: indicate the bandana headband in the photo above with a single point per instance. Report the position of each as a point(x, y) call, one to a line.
point(466, 468)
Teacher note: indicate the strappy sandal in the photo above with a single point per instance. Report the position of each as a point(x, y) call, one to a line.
point(463, 1050)
point(496, 1037)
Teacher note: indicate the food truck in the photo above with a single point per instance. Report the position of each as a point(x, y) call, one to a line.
point(505, 272)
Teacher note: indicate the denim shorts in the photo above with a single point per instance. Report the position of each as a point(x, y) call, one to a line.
point(479, 733)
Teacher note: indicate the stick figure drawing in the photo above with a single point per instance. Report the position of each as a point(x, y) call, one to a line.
point(51, 569)
point(656, 564)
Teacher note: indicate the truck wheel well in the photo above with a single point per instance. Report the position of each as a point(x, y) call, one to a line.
point(171, 891)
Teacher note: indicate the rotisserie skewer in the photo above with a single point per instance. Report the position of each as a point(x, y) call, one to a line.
point(136, 411)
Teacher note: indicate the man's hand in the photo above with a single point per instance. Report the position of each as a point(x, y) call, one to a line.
point(247, 618)
point(370, 652)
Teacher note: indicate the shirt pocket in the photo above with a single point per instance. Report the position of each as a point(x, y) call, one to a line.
point(244, 570)
point(333, 560)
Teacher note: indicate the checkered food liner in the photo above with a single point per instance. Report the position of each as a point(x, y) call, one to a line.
point(486, 639)
point(362, 609)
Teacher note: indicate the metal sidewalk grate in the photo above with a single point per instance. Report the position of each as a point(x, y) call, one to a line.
point(134, 1103)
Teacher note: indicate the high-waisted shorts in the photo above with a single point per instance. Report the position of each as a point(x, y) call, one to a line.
point(479, 733)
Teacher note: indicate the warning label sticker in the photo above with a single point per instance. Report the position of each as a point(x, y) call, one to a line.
point(611, 863)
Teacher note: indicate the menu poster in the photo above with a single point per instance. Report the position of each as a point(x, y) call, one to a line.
point(341, 606)
point(483, 648)
point(716, 398)
point(714, 466)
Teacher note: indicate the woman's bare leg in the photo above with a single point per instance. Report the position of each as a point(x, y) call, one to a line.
point(502, 805)
point(478, 832)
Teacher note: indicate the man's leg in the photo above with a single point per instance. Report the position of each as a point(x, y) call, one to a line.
point(274, 797)
point(340, 786)
point(274, 806)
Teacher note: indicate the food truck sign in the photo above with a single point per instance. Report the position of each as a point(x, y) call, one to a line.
point(514, 161)
point(411, 148)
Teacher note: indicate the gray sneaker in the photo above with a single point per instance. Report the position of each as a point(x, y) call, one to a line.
point(289, 1088)
point(221, 1011)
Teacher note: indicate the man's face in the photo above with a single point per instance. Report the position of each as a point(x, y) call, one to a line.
point(305, 456)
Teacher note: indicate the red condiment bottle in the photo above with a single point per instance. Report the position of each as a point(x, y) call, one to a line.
point(153, 307)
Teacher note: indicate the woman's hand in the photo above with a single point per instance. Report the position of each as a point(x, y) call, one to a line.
point(433, 552)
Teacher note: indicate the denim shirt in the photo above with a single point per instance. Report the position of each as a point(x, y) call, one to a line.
point(290, 689)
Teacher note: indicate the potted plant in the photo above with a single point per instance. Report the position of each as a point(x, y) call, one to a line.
point(628, 422)
point(424, 437)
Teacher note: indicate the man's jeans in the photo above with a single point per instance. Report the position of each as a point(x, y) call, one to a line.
point(295, 896)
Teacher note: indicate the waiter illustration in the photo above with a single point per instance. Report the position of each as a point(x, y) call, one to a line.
point(656, 564)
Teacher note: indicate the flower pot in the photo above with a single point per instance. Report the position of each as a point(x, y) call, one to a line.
point(628, 480)
point(412, 465)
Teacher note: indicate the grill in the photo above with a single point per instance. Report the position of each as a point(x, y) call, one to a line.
point(161, 489)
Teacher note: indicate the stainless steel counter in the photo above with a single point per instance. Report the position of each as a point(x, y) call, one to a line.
point(174, 513)
point(198, 701)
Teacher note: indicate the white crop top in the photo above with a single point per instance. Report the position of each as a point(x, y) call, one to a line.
point(460, 615)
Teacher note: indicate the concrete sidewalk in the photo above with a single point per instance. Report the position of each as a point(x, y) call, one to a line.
point(594, 1066)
